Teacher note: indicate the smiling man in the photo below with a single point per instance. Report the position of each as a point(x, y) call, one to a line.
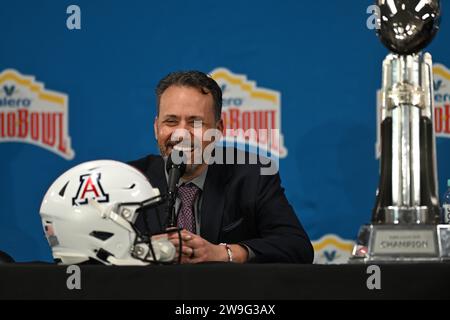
point(184, 114)
point(229, 212)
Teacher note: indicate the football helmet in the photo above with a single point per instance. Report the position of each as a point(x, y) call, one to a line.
point(88, 214)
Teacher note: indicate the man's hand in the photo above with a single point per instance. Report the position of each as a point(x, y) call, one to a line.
point(195, 249)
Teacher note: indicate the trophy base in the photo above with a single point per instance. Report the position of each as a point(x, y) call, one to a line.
point(402, 243)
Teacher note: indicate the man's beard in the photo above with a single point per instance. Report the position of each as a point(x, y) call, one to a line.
point(191, 165)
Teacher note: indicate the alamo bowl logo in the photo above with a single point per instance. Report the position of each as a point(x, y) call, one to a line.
point(251, 115)
point(441, 100)
point(332, 249)
point(31, 114)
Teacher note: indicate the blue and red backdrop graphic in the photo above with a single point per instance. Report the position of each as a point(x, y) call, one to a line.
point(319, 55)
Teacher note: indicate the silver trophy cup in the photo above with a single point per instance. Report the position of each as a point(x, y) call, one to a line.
point(405, 220)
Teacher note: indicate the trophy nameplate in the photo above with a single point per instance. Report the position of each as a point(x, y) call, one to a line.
point(398, 243)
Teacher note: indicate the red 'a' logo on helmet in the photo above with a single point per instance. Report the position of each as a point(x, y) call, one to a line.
point(90, 188)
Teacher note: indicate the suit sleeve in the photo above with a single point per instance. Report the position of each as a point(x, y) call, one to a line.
point(281, 235)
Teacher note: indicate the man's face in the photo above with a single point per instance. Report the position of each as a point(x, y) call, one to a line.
point(185, 108)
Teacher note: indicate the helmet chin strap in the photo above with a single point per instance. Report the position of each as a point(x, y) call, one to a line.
point(126, 262)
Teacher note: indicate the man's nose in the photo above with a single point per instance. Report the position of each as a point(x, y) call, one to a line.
point(183, 125)
point(181, 132)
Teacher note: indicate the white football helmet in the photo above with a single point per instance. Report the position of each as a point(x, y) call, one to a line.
point(88, 214)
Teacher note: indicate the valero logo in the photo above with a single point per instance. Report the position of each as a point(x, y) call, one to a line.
point(441, 100)
point(332, 249)
point(251, 115)
point(31, 114)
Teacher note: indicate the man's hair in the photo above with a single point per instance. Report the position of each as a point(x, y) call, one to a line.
point(194, 79)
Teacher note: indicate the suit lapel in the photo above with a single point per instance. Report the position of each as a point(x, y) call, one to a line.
point(155, 174)
point(213, 202)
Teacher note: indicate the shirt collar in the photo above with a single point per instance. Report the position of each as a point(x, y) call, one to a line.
point(199, 181)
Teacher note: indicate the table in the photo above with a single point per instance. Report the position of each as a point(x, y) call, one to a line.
point(224, 281)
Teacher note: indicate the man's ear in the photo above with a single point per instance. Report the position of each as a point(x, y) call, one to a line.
point(220, 126)
point(155, 127)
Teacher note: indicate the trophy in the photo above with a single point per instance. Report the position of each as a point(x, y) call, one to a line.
point(406, 216)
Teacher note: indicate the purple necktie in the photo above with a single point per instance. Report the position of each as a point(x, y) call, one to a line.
point(186, 216)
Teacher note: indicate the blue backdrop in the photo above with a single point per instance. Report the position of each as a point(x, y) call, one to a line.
point(319, 55)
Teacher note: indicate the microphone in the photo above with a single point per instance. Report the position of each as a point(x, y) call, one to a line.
point(175, 167)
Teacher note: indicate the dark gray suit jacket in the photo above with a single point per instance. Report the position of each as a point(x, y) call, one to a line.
point(240, 206)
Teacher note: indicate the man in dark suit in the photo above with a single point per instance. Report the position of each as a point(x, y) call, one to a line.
point(228, 212)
